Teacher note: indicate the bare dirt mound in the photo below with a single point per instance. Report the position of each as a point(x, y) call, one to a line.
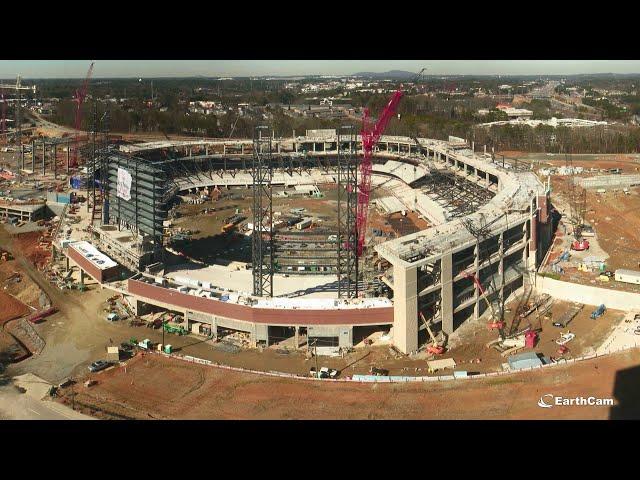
point(11, 350)
point(11, 308)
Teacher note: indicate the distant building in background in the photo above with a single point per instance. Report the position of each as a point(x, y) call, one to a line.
point(515, 113)
point(553, 122)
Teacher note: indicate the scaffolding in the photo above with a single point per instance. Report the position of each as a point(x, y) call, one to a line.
point(262, 238)
point(348, 274)
point(97, 169)
point(137, 193)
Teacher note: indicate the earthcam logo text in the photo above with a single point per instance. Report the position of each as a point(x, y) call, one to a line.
point(549, 400)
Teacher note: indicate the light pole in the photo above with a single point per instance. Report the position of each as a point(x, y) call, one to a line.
point(73, 394)
point(163, 323)
point(315, 354)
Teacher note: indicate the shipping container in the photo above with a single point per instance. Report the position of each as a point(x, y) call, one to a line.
point(304, 223)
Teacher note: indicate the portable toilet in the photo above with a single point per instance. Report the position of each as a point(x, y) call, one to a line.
point(168, 349)
point(530, 339)
point(113, 353)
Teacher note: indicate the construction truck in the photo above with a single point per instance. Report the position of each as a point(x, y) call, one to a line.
point(177, 329)
point(598, 312)
point(580, 245)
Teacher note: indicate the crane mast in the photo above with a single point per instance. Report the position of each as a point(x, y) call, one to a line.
point(370, 137)
point(18, 88)
point(3, 119)
point(79, 100)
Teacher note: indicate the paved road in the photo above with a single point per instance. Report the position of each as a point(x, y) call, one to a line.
point(27, 406)
point(41, 122)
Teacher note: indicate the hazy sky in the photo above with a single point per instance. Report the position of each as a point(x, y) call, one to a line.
point(178, 68)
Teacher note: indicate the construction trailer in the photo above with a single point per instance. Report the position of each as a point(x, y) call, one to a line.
point(627, 276)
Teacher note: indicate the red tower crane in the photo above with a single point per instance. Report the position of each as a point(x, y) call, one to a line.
point(370, 137)
point(79, 100)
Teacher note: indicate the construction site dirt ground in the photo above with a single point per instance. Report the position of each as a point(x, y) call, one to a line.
point(10, 308)
point(629, 163)
point(79, 334)
point(93, 334)
point(616, 220)
point(209, 243)
point(155, 387)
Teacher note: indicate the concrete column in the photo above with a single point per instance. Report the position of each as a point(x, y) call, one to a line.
point(473, 147)
point(465, 169)
point(296, 337)
point(446, 303)
point(487, 178)
point(22, 156)
point(242, 148)
point(68, 157)
point(485, 149)
point(405, 308)
point(224, 149)
point(190, 151)
point(398, 147)
point(501, 267)
point(33, 156)
point(314, 146)
point(206, 150)
point(44, 156)
point(533, 242)
point(455, 162)
point(476, 293)
point(55, 161)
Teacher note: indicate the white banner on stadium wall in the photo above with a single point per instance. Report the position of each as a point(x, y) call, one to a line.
point(123, 188)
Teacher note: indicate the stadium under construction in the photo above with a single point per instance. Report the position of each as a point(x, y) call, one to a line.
point(485, 229)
